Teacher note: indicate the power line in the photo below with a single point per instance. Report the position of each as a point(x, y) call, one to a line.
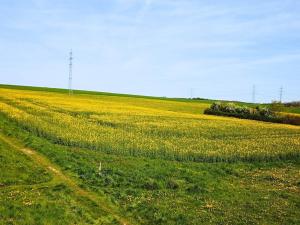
point(70, 72)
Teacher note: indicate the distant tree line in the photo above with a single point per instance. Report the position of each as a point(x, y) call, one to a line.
point(258, 113)
point(292, 104)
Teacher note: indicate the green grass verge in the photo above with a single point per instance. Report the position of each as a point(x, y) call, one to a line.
point(30, 195)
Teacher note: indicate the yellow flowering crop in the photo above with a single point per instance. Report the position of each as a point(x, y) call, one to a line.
point(147, 127)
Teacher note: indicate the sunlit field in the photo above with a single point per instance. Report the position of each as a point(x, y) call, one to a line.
point(152, 128)
point(161, 156)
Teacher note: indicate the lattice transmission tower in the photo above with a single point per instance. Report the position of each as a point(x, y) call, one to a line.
point(70, 72)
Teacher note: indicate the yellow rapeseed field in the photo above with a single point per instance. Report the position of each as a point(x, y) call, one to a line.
point(147, 127)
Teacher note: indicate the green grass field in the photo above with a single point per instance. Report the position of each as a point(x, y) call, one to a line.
point(29, 194)
point(163, 162)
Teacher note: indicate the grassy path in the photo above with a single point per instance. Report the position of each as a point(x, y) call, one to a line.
point(60, 177)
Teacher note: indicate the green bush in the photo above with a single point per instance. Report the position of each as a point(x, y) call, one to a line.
point(292, 104)
point(258, 113)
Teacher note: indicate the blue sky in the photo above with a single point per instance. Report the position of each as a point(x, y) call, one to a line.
point(219, 49)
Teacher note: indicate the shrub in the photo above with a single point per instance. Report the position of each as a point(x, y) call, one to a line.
point(292, 104)
point(258, 113)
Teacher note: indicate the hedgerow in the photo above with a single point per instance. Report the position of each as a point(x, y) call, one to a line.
point(258, 113)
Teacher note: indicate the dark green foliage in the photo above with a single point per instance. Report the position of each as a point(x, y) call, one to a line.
point(257, 113)
point(292, 104)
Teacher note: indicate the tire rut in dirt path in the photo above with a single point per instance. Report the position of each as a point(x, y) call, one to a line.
point(59, 176)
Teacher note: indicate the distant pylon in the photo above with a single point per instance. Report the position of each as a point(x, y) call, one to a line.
point(280, 94)
point(253, 93)
point(70, 72)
